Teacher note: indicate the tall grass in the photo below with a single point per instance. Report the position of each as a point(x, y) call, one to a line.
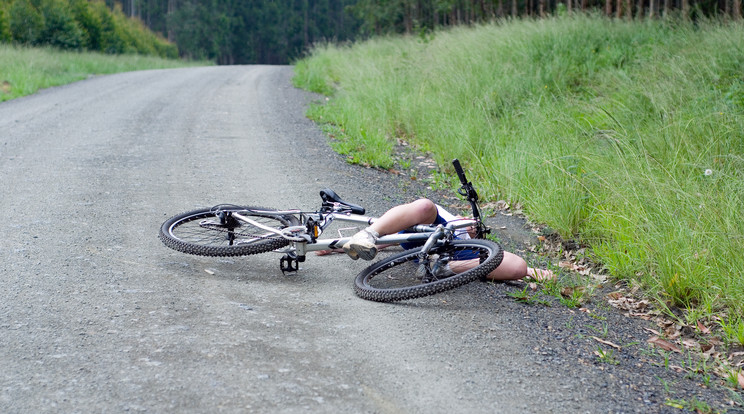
point(628, 136)
point(25, 70)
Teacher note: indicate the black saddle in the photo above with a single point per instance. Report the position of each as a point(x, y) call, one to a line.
point(331, 199)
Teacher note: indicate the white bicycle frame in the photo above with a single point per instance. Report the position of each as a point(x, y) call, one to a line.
point(303, 242)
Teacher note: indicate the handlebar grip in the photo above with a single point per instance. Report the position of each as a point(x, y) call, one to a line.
point(460, 172)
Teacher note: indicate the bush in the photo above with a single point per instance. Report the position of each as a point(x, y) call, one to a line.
point(89, 22)
point(26, 23)
point(79, 24)
point(60, 28)
point(4, 24)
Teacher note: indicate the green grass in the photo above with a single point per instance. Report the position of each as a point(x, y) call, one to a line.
point(24, 70)
point(627, 136)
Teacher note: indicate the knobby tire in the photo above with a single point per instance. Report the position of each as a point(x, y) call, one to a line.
point(381, 281)
point(188, 233)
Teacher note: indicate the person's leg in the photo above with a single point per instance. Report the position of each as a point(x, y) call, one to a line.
point(512, 267)
point(421, 211)
point(363, 244)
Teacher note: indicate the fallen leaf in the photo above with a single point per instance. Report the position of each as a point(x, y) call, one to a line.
point(741, 378)
point(567, 265)
point(703, 328)
point(656, 333)
point(615, 295)
point(663, 344)
point(533, 286)
point(690, 343)
point(608, 343)
point(676, 368)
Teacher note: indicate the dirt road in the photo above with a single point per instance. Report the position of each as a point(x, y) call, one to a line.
point(96, 315)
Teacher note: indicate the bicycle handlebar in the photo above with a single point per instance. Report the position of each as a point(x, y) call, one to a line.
point(468, 191)
point(460, 172)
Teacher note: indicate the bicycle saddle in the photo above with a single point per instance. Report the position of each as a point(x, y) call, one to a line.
point(330, 198)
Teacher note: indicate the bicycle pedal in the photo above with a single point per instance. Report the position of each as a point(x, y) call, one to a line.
point(290, 263)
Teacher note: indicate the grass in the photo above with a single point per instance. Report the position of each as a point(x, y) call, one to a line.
point(25, 70)
point(625, 136)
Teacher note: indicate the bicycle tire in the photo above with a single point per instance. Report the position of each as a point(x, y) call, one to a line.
point(393, 279)
point(199, 232)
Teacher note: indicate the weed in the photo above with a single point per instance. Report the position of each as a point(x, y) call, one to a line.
point(597, 316)
point(694, 405)
point(602, 331)
point(523, 296)
point(732, 377)
point(570, 323)
point(667, 357)
point(607, 357)
point(666, 385)
point(733, 328)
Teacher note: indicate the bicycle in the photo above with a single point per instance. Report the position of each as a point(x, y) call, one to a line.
point(232, 230)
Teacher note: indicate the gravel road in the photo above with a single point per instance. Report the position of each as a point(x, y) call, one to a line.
point(96, 315)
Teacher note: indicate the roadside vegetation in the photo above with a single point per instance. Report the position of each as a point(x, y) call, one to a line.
point(46, 43)
point(25, 70)
point(626, 137)
point(78, 25)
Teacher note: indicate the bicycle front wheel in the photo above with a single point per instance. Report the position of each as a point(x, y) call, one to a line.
point(216, 232)
point(399, 277)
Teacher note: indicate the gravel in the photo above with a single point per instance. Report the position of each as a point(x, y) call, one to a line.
point(98, 316)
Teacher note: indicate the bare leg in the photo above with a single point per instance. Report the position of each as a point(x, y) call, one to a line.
point(512, 267)
point(422, 211)
point(362, 245)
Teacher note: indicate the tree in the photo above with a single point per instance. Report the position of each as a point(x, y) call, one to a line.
point(26, 23)
point(4, 24)
point(60, 28)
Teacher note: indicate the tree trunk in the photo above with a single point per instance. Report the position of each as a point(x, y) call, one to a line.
point(171, 10)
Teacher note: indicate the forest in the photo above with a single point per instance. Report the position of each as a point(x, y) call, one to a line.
point(280, 31)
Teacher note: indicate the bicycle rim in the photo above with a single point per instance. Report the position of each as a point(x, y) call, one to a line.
point(395, 278)
point(207, 232)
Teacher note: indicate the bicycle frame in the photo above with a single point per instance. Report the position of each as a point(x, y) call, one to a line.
point(304, 238)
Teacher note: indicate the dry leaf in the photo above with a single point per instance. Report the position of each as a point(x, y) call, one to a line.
point(690, 343)
point(741, 378)
point(533, 286)
point(608, 343)
point(663, 344)
point(703, 328)
point(615, 295)
point(676, 368)
point(656, 333)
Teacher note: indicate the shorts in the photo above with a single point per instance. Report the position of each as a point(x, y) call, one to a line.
point(443, 217)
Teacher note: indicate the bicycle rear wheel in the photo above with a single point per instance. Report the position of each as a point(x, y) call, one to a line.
point(216, 232)
point(395, 278)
